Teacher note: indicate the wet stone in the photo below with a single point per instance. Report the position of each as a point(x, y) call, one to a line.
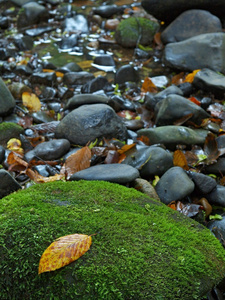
point(175, 107)
point(171, 135)
point(77, 78)
point(96, 84)
point(116, 173)
point(2, 154)
point(41, 117)
point(191, 23)
point(24, 43)
point(191, 54)
point(174, 185)
point(23, 70)
point(104, 60)
point(119, 103)
point(145, 187)
point(81, 99)
point(7, 184)
point(126, 73)
point(7, 102)
point(210, 81)
point(67, 43)
point(107, 11)
point(218, 229)
point(77, 23)
point(216, 168)
point(204, 184)
point(88, 122)
point(149, 161)
point(39, 31)
point(6, 53)
point(4, 22)
point(70, 67)
point(43, 78)
point(50, 150)
point(217, 196)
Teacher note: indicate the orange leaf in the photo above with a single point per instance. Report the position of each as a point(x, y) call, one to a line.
point(148, 86)
point(31, 101)
point(194, 100)
point(157, 40)
point(172, 205)
point(63, 251)
point(36, 177)
point(77, 161)
point(126, 148)
point(179, 160)
point(178, 79)
point(16, 158)
point(190, 77)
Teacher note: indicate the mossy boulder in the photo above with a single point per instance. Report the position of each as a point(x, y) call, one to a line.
point(136, 30)
point(141, 248)
point(9, 130)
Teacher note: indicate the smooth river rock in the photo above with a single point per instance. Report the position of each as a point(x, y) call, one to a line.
point(7, 102)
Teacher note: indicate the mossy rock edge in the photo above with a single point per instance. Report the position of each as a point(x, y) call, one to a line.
point(142, 249)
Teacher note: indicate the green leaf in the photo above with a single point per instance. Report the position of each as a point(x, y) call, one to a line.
point(215, 217)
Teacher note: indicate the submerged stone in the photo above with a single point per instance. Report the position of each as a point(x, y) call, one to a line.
point(138, 244)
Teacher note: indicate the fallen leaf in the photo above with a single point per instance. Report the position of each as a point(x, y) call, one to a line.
point(158, 41)
point(211, 148)
point(112, 157)
point(148, 86)
point(189, 209)
point(190, 77)
point(15, 145)
point(31, 101)
point(125, 148)
point(178, 79)
point(180, 160)
point(195, 101)
point(77, 161)
point(63, 251)
point(85, 64)
point(37, 178)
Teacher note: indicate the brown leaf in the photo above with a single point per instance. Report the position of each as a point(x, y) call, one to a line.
point(15, 158)
point(211, 148)
point(63, 251)
point(31, 101)
point(178, 79)
point(36, 177)
point(179, 160)
point(126, 148)
point(182, 120)
point(112, 157)
point(148, 86)
point(78, 161)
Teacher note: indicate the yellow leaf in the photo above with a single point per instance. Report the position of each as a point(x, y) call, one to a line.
point(15, 145)
point(31, 101)
point(86, 64)
point(180, 160)
point(63, 251)
point(190, 77)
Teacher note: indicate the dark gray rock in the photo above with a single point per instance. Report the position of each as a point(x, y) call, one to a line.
point(149, 161)
point(210, 81)
point(217, 196)
point(88, 122)
point(216, 168)
point(126, 73)
point(116, 173)
point(202, 51)
point(30, 14)
point(168, 10)
point(24, 43)
point(135, 30)
point(2, 154)
point(171, 135)
point(48, 78)
point(81, 99)
point(220, 141)
point(70, 67)
point(204, 184)
point(39, 31)
point(7, 184)
point(7, 102)
point(175, 107)
point(191, 23)
point(50, 150)
point(97, 84)
point(104, 60)
point(68, 42)
point(218, 229)
point(77, 23)
point(119, 103)
point(152, 99)
point(106, 11)
point(77, 78)
point(174, 185)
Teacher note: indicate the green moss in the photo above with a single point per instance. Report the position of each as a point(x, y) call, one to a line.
point(141, 250)
point(136, 30)
point(9, 130)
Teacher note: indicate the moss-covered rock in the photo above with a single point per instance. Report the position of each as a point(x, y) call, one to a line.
point(136, 30)
point(142, 249)
point(9, 130)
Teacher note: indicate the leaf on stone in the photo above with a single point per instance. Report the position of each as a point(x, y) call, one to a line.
point(15, 159)
point(211, 148)
point(180, 160)
point(148, 86)
point(182, 120)
point(178, 79)
point(112, 157)
point(37, 178)
point(31, 101)
point(85, 64)
point(195, 101)
point(190, 77)
point(189, 209)
point(125, 148)
point(77, 161)
point(63, 251)
point(15, 145)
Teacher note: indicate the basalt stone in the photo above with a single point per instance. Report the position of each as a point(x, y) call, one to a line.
point(126, 73)
point(145, 187)
point(174, 185)
point(104, 60)
point(9, 130)
point(96, 84)
point(175, 107)
point(39, 31)
point(23, 70)
point(43, 78)
point(202, 51)
point(7, 184)
point(77, 78)
point(2, 154)
point(168, 10)
point(88, 122)
point(7, 102)
point(106, 11)
point(6, 53)
point(210, 81)
point(24, 43)
point(136, 30)
point(67, 43)
point(30, 14)
point(171, 135)
point(50, 150)
point(191, 23)
point(218, 229)
point(217, 196)
point(81, 99)
point(70, 67)
point(4, 22)
point(216, 168)
point(116, 173)
point(77, 23)
point(149, 161)
point(204, 184)
point(119, 103)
